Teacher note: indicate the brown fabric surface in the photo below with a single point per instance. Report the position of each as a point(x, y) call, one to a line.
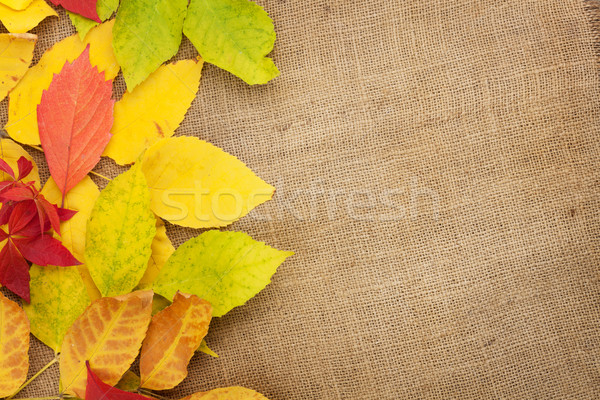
point(437, 166)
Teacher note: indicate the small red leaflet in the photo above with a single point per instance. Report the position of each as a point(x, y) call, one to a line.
point(85, 8)
point(98, 390)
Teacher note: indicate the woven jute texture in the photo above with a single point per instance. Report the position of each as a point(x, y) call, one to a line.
point(437, 166)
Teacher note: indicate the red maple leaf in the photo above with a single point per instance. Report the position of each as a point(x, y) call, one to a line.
point(75, 117)
point(98, 390)
point(86, 8)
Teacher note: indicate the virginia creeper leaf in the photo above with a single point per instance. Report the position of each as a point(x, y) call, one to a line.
point(98, 390)
point(173, 336)
point(198, 185)
point(86, 8)
point(74, 138)
point(22, 123)
point(147, 33)
point(108, 335)
point(120, 233)
point(11, 152)
point(153, 110)
point(162, 248)
point(105, 9)
point(225, 268)
point(21, 21)
point(14, 347)
point(16, 53)
point(14, 271)
point(16, 4)
point(235, 35)
point(230, 393)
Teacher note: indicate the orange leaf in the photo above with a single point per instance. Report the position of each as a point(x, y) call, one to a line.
point(108, 335)
point(230, 393)
point(14, 346)
point(174, 335)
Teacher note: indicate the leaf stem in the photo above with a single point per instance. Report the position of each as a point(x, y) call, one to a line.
point(148, 393)
point(34, 377)
point(101, 176)
point(38, 148)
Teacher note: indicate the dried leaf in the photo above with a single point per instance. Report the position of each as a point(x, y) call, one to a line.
point(153, 110)
point(230, 393)
point(225, 268)
point(74, 138)
point(14, 346)
point(162, 248)
point(173, 336)
point(198, 185)
point(11, 152)
point(98, 390)
point(108, 335)
point(22, 123)
point(21, 21)
point(16, 53)
point(120, 234)
point(235, 35)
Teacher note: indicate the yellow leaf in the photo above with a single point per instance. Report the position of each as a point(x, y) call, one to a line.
point(230, 393)
point(14, 346)
point(25, 97)
point(153, 110)
point(206, 350)
point(162, 248)
point(173, 336)
point(108, 334)
point(11, 152)
point(81, 199)
point(198, 185)
point(16, 4)
point(21, 21)
point(15, 57)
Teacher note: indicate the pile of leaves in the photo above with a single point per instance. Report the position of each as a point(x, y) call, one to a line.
point(100, 281)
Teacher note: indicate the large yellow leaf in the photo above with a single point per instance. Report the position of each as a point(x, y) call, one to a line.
point(198, 185)
point(153, 110)
point(25, 20)
point(174, 335)
point(11, 152)
point(162, 248)
point(230, 393)
point(25, 97)
point(16, 4)
point(108, 334)
point(15, 56)
point(14, 346)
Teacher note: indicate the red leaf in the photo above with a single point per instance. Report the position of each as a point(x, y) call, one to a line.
point(18, 193)
point(51, 212)
point(33, 228)
point(75, 117)
point(64, 214)
point(87, 8)
point(5, 212)
point(45, 250)
point(14, 271)
point(6, 168)
point(3, 235)
point(25, 167)
point(21, 216)
point(98, 390)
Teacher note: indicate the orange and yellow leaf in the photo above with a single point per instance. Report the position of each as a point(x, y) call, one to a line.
point(14, 346)
point(230, 393)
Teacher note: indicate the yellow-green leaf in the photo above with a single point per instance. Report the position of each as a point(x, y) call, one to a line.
point(105, 9)
point(153, 110)
point(235, 35)
point(11, 152)
point(198, 185)
point(230, 393)
point(206, 350)
point(225, 268)
point(21, 21)
point(24, 98)
point(130, 382)
point(162, 248)
point(120, 233)
point(14, 346)
point(15, 56)
point(147, 33)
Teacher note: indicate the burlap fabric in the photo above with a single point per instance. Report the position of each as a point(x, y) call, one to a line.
point(437, 166)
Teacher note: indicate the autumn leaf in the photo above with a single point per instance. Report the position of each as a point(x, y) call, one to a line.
point(22, 123)
point(108, 335)
point(198, 185)
point(86, 8)
point(11, 152)
point(21, 21)
point(230, 393)
point(129, 382)
point(206, 350)
point(235, 35)
point(147, 33)
point(225, 268)
point(153, 110)
point(74, 138)
point(14, 347)
point(98, 390)
point(105, 9)
point(173, 336)
point(16, 4)
point(120, 233)
point(16, 53)
point(162, 248)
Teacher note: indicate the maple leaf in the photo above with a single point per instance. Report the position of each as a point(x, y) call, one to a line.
point(14, 346)
point(74, 138)
point(21, 21)
point(86, 8)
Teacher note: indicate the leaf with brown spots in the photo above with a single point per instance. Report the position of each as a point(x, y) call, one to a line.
point(230, 393)
point(174, 335)
point(17, 53)
point(14, 346)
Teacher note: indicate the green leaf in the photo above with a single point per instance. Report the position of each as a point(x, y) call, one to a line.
point(120, 233)
point(206, 350)
point(105, 9)
point(235, 35)
point(146, 34)
point(225, 268)
point(58, 298)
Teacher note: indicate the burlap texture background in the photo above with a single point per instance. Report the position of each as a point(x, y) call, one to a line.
point(437, 165)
